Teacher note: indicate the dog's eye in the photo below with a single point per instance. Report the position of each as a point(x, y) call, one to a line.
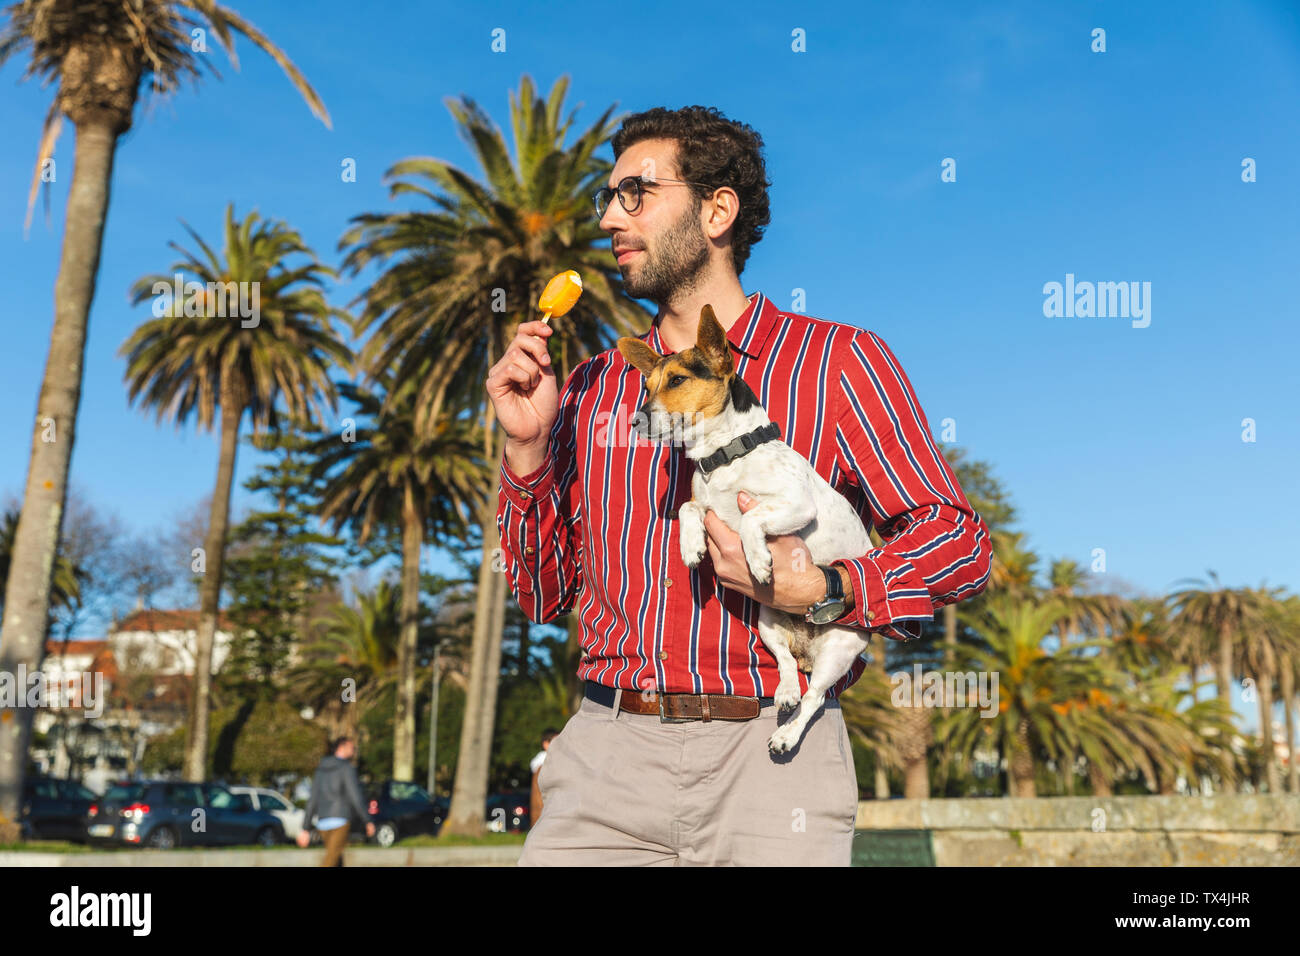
point(676, 380)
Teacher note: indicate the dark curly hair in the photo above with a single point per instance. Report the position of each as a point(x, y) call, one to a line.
point(711, 149)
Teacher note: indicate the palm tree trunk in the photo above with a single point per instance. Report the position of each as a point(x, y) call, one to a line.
point(1223, 680)
point(196, 745)
point(1100, 784)
point(31, 567)
point(1265, 682)
point(1287, 678)
point(469, 794)
point(404, 712)
point(949, 634)
point(1223, 675)
point(882, 775)
point(1022, 763)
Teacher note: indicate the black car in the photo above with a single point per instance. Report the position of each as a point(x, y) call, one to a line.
point(168, 813)
point(401, 809)
point(55, 809)
point(508, 812)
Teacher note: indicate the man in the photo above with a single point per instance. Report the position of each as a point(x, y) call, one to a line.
point(535, 767)
point(336, 797)
point(666, 762)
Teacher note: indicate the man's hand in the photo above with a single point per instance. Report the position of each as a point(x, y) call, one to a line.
point(303, 839)
point(370, 830)
point(525, 395)
point(796, 582)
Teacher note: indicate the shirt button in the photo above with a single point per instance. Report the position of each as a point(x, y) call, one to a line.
point(529, 549)
point(672, 515)
point(663, 655)
point(871, 615)
point(525, 494)
point(668, 582)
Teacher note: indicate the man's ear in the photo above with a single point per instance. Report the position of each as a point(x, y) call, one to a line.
point(711, 339)
point(642, 356)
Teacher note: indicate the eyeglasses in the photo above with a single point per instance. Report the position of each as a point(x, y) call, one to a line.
point(629, 192)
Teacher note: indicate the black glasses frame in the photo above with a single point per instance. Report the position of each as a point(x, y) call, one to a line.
point(605, 195)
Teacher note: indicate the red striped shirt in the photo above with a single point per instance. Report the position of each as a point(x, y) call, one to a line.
point(596, 524)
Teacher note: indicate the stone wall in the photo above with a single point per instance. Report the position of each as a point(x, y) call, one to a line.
point(1236, 830)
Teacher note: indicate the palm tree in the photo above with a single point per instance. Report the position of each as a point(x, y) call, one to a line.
point(359, 644)
point(1033, 686)
point(182, 365)
point(456, 281)
point(1287, 619)
point(1209, 620)
point(1090, 614)
point(1014, 565)
point(99, 52)
point(1264, 653)
point(389, 475)
point(65, 589)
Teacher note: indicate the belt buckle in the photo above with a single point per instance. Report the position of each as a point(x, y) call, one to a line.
point(665, 719)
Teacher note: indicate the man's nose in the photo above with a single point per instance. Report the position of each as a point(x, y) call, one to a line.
point(614, 218)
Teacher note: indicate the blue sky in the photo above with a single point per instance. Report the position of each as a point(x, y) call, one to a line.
point(1115, 166)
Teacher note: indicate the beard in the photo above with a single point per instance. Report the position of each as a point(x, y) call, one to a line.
point(672, 266)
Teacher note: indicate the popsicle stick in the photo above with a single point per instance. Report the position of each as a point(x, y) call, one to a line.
point(546, 317)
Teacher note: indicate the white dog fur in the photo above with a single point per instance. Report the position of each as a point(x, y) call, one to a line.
point(792, 499)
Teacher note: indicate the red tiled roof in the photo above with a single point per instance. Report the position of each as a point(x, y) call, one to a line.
point(75, 647)
point(163, 620)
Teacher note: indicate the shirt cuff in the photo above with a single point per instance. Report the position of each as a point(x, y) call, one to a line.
point(870, 601)
point(523, 491)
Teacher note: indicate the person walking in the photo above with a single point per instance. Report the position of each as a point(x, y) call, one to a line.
point(336, 797)
point(535, 766)
point(666, 762)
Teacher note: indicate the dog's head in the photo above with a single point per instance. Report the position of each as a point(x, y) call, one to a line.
point(690, 390)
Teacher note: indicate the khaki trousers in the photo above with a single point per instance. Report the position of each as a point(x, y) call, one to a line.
point(335, 841)
point(621, 789)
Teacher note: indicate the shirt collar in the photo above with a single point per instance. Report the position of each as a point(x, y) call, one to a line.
point(748, 334)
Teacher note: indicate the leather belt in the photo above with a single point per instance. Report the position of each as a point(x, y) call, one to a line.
point(678, 708)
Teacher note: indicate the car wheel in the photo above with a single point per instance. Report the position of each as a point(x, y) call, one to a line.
point(162, 839)
point(267, 837)
point(386, 835)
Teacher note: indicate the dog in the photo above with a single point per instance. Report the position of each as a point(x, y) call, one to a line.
point(696, 398)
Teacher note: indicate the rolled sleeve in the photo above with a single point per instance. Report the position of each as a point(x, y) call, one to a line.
point(936, 547)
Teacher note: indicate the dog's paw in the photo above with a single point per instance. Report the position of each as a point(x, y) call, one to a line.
point(787, 695)
point(784, 739)
point(760, 565)
point(694, 546)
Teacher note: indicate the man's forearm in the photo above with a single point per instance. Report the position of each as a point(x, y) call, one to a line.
point(524, 459)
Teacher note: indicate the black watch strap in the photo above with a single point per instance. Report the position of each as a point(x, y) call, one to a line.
point(834, 583)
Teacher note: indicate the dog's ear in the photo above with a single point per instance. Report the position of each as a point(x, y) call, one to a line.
point(711, 339)
point(642, 356)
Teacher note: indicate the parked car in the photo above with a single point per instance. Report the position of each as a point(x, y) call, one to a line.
point(164, 813)
point(400, 809)
point(264, 798)
point(508, 812)
point(55, 809)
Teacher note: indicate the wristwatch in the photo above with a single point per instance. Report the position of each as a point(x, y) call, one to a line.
point(832, 606)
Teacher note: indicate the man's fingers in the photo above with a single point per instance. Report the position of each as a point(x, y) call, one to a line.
point(516, 374)
point(533, 347)
point(536, 327)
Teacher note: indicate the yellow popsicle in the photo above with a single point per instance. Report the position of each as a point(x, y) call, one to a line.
point(560, 294)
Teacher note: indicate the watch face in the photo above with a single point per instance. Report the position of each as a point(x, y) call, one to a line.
point(827, 612)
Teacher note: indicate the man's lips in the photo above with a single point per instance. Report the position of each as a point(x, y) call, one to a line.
point(625, 254)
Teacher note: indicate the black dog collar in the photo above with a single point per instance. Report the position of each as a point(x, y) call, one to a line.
point(739, 447)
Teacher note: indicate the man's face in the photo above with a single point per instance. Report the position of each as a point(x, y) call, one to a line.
point(346, 751)
point(671, 252)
